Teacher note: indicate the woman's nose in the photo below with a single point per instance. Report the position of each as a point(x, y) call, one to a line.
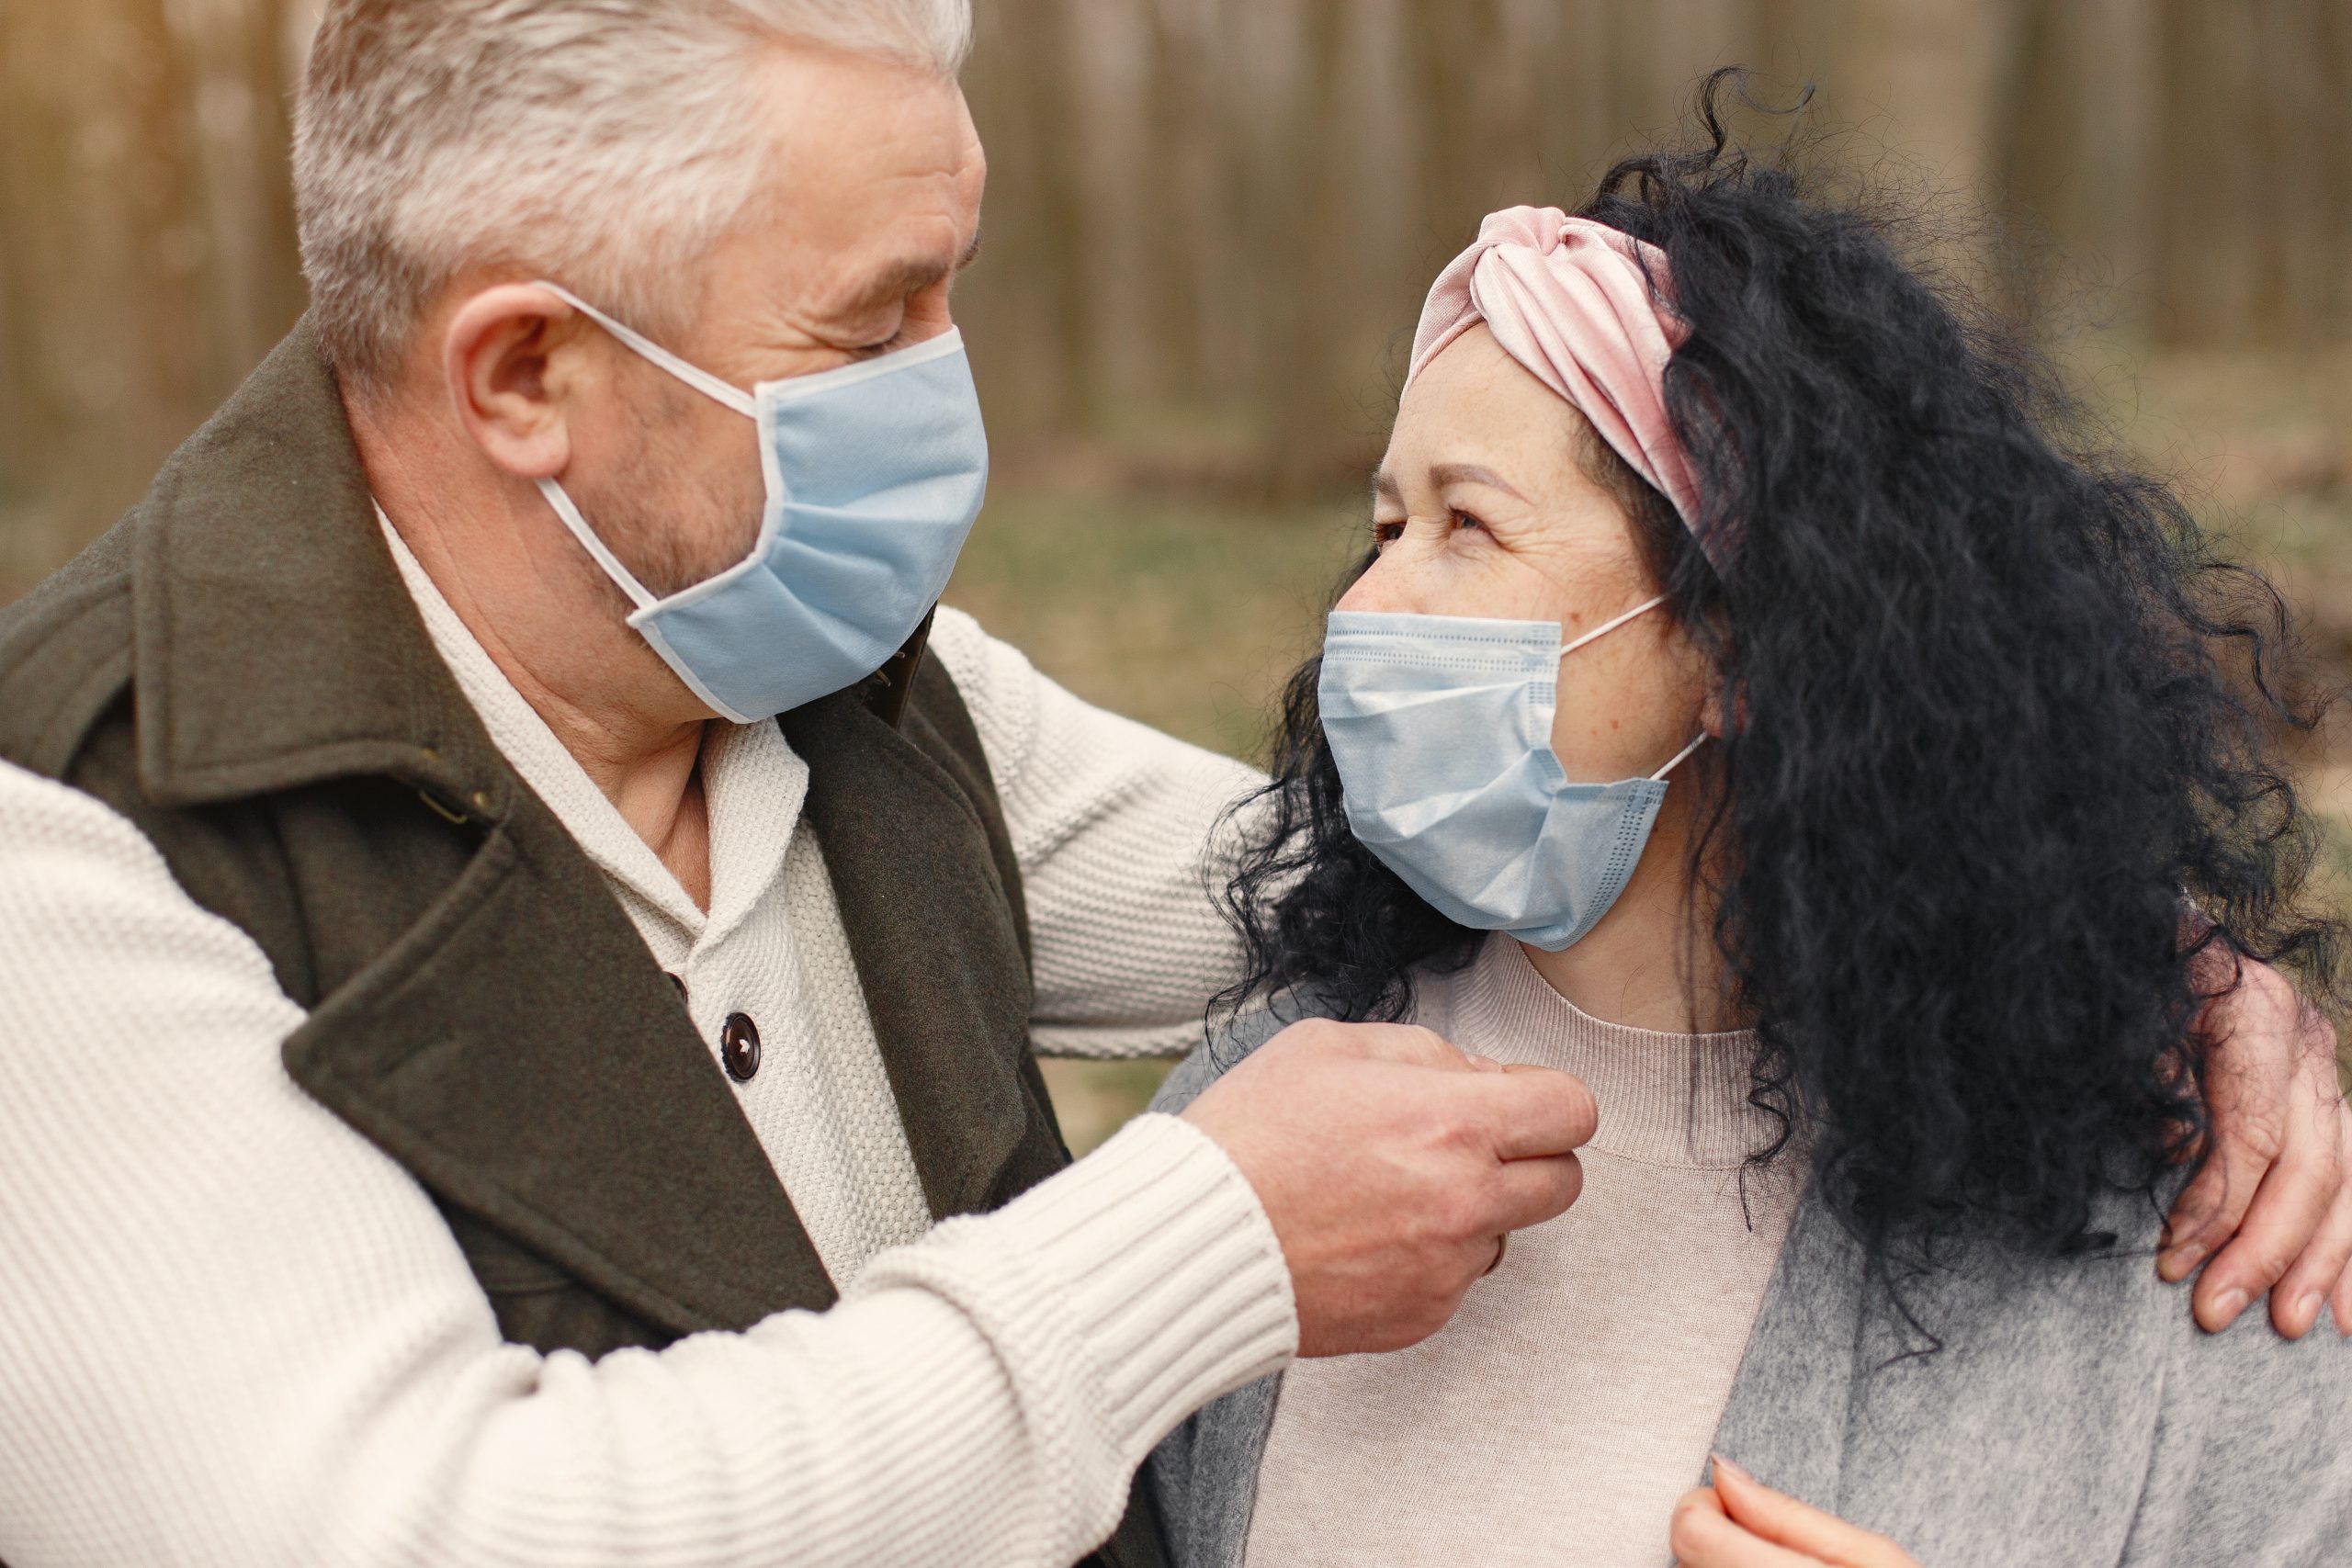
point(1373, 591)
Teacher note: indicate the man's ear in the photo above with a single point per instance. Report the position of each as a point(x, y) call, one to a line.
point(510, 354)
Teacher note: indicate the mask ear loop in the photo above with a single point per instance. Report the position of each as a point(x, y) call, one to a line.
point(622, 577)
point(1679, 757)
point(1603, 630)
point(1607, 626)
point(694, 376)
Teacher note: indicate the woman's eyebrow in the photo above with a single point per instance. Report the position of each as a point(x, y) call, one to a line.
point(1443, 474)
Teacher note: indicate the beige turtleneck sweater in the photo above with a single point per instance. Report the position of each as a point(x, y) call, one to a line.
point(1572, 1399)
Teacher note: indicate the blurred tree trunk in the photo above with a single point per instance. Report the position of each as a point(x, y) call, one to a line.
point(146, 242)
point(1216, 217)
point(2254, 214)
point(2083, 165)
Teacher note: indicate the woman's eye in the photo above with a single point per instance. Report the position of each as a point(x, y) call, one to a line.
point(1466, 520)
point(1386, 533)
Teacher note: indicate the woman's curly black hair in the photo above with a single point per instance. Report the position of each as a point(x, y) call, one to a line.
point(1998, 703)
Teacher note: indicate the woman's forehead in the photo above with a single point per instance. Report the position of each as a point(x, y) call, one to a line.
point(1473, 406)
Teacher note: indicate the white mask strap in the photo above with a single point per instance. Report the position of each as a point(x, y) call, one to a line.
point(621, 575)
point(1607, 626)
point(1679, 757)
point(694, 376)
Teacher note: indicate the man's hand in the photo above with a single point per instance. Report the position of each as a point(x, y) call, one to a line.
point(2271, 1206)
point(1739, 1522)
point(1391, 1166)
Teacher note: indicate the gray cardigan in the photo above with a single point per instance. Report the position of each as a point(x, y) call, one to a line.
point(2075, 1415)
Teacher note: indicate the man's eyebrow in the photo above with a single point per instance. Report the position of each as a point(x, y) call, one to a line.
point(896, 279)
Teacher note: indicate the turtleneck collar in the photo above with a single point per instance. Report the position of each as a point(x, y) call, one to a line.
point(1674, 1100)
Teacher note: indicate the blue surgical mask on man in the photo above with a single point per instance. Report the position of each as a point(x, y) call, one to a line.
point(874, 475)
point(1441, 727)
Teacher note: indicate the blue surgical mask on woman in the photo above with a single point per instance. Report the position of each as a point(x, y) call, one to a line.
point(874, 475)
point(1441, 729)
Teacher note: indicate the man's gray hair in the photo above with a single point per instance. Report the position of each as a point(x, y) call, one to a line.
point(607, 143)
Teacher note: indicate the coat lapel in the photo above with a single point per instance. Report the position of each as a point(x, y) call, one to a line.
point(514, 1046)
point(1786, 1418)
point(1959, 1430)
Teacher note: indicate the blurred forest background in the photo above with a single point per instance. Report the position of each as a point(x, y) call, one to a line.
point(1209, 226)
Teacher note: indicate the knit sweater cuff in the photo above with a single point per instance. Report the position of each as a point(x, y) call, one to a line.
point(1137, 1286)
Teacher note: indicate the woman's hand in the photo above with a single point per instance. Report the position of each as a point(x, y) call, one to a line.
point(2272, 1207)
point(1739, 1522)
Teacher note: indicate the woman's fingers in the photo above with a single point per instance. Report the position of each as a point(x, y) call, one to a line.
point(1803, 1530)
point(1703, 1536)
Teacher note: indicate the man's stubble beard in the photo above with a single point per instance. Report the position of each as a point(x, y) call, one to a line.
point(671, 517)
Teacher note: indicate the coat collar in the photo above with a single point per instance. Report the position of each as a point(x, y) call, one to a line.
point(516, 1048)
point(257, 554)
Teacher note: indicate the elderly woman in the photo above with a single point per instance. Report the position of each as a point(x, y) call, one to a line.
point(1755, 707)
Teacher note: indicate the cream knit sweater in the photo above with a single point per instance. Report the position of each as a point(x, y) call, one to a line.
point(234, 1332)
point(1570, 1402)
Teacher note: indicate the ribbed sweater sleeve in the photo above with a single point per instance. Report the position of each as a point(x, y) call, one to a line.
point(233, 1331)
point(1122, 833)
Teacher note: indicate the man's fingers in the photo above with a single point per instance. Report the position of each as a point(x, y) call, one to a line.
point(2212, 1207)
point(1534, 1112)
point(1702, 1535)
point(1529, 1191)
point(1406, 1043)
point(1776, 1517)
point(2247, 1126)
point(2339, 1305)
point(2296, 1299)
point(2290, 1201)
point(2250, 1023)
point(2288, 1208)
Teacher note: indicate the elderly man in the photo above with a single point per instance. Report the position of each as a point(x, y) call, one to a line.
point(478, 1085)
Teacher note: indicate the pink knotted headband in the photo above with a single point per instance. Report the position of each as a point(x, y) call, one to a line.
point(1570, 300)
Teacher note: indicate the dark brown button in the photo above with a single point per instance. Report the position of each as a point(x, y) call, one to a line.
point(739, 1046)
point(679, 981)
